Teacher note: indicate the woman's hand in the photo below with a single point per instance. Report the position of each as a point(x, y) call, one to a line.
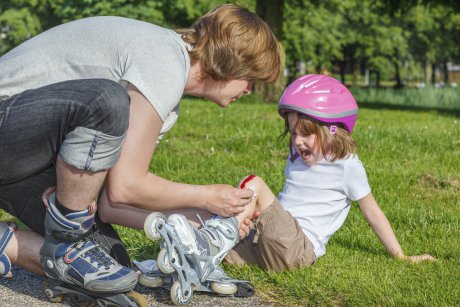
point(225, 200)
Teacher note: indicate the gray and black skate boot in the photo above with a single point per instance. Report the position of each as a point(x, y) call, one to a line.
point(6, 233)
point(71, 256)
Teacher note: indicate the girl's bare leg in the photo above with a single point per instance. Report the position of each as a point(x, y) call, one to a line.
point(263, 198)
point(133, 217)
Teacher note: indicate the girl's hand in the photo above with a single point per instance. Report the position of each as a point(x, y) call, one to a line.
point(245, 228)
point(419, 258)
point(247, 225)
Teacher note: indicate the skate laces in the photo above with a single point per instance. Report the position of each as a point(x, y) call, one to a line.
point(99, 257)
point(95, 255)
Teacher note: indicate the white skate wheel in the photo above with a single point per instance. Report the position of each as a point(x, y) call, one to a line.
point(226, 288)
point(150, 281)
point(178, 297)
point(150, 223)
point(53, 299)
point(163, 262)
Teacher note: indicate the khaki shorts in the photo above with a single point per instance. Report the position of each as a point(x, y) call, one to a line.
point(277, 242)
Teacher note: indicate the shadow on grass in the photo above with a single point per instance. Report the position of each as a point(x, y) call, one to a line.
point(359, 246)
point(390, 106)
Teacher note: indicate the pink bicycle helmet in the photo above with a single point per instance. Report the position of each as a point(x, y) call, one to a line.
point(322, 98)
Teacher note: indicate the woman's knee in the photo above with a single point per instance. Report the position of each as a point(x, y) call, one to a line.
point(110, 107)
point(95, 143)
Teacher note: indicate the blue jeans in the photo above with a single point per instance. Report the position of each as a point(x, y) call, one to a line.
point(84, 121)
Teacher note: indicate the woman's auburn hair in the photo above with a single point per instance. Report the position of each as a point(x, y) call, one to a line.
point(332, 146)
point(230, 42)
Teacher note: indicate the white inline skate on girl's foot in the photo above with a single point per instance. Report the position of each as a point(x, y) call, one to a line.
point(189, 258)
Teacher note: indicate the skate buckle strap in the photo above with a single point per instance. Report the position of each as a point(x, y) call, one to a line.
point(72, 237)
point(5, 263)
point(49, 199)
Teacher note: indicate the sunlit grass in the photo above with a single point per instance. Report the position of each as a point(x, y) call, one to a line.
point(412, 160)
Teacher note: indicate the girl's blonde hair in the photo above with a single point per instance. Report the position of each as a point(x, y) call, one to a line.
point(332, 146)
point(230, 42)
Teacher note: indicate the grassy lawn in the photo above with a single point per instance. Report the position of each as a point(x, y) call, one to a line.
point(412, 160)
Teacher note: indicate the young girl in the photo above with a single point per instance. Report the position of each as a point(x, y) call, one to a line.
point(323, 176)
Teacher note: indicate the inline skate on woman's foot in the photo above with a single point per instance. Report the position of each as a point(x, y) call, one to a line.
point(189, 258)
point(6, 233)
point(75, 264)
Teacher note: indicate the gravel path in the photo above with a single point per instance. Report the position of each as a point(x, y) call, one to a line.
point(26, 289)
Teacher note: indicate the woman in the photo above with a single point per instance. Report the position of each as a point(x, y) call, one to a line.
point(64, 120)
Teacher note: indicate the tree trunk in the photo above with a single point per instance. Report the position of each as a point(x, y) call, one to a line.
point(342, 71)
point(446, 72)
point(426, 66)
point(272, 12)
point(366, 77)
point(356, 73)
point(377, 79)
point(433, 73)
point(399, 83)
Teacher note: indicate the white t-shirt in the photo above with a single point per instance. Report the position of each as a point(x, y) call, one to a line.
point(320, 196)
point(152, 58)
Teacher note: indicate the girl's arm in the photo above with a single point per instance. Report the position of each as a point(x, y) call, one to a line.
point(382, 228)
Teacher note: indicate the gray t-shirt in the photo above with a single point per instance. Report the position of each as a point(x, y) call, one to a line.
point(152, 58)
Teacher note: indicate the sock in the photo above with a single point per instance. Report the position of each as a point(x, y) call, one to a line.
point(64, 210)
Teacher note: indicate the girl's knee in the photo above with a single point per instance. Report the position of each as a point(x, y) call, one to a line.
point(261, 190)
point(251, 182)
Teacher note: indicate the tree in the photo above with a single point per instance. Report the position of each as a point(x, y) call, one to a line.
point(434, 33)
point(272, 12)
point(379, 37)
point(312, 36)
point(68, 10)
point(17, 24)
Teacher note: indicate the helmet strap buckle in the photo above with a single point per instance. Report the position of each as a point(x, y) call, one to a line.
point(333, 129)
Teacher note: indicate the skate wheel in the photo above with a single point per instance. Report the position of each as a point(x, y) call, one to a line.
point(53, 299)
point(79, 301)
point(226, 288)
point(150, 281)
point(150, 223)
point(164, 265)
point(178, 297)
point(137, 298)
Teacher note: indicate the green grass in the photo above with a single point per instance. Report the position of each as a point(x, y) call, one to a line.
point(447, 98)
point(412, 160)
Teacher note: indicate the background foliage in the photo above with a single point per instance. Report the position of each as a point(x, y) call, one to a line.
point(369, 40)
